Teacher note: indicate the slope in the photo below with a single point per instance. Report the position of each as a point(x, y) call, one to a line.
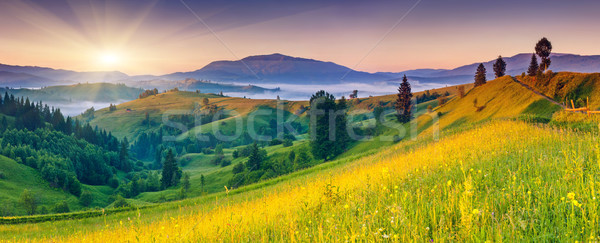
point(501, 98)
point(17, 177)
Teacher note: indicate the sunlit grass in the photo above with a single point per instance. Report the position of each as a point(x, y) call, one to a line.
point(501, 181)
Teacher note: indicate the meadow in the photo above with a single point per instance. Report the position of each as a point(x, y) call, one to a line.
point(498, 181)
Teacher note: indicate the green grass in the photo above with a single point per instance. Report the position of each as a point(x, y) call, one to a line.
point(17, 178)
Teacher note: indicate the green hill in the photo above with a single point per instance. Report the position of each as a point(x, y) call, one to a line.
point(15, 178)
point(501, 98)
point(566, 86)
point(91, 92)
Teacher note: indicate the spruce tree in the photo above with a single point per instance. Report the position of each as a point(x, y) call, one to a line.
point(342, 138)
point(124, 155)
point(169, 171)
point(533, 66)
point(404, 101)
point(500, 67)
point(543, 49)
point(186, 185)
point(480, 75)
point(255, 158)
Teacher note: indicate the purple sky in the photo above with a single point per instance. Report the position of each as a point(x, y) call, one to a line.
point(158, 37)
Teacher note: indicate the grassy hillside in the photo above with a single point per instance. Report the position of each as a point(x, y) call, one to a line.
point(487, 178)
point(566, 86)
point(522, 183)
point(498, 99)
point(15, 178)
point(92, 92)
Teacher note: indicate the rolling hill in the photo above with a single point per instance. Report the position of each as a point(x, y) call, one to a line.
point(483, 165)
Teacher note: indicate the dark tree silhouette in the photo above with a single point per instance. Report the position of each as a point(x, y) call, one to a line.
point(543, 49)
point(500, 67)
point(480, 78)
point(404, 101)
point(533, 66)
point(170, 172)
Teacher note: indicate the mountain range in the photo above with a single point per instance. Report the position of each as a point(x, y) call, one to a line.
point(281, 69)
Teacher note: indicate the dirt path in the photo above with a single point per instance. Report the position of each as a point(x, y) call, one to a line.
point(538, 93)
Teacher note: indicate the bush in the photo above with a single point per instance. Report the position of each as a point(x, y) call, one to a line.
point(2, 176)
point(206, 151)
point(121, 203)
point(275, 141)
point(61, 207)
point(225, 162)
point(287, 143)
point(238, 168)
point(113, 182)
point(86, 198)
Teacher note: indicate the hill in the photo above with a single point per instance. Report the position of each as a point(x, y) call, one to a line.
point(190, 84)
point(17, 177)
point(87, 92)
point(501, 98)
point(62, 76)
point(515, 65)
point(566, 86)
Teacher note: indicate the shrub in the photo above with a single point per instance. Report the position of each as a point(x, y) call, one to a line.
point(121, 202)
point(86, 198)
point(61, 207)
point(225, 162)
point(2, 176)
point(287, 143)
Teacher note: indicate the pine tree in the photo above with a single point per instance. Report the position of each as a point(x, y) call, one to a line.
point(202, 182)
point(404, 101)
point(255, 159)
point(480, 75)
point(186, 185)
point(533, 66)
point(342, 138)
point(169, 171)
point(500, 67)
point(124, 155)
point(543, 49)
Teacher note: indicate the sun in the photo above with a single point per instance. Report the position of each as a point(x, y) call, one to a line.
point(109, 58)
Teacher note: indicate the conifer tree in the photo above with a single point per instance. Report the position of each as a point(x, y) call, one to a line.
point(500, 67)
point(480, 75)
point(169, 171)
point(533, 66)
point(404, 101)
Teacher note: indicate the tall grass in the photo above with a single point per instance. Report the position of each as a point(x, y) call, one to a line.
point(505, 180)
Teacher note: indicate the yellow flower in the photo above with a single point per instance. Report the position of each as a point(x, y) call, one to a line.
point(476, 211)
point(449, 182)
point(571, 196)
point(346, 206)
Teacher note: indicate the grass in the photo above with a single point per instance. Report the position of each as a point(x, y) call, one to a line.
point(17, 178)
point(516, 182)
point(489, 178)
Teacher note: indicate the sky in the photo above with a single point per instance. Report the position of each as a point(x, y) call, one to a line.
point(164, 36)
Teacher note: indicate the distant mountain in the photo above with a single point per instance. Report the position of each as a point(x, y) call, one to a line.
point(10, 79)
point(65, 76)
point(515, 65)
point(278, 68)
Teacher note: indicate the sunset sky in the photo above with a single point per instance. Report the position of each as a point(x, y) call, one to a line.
point(159, 37)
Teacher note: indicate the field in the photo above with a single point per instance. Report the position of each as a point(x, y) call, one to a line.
point(514, 182)
point(489, 177)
